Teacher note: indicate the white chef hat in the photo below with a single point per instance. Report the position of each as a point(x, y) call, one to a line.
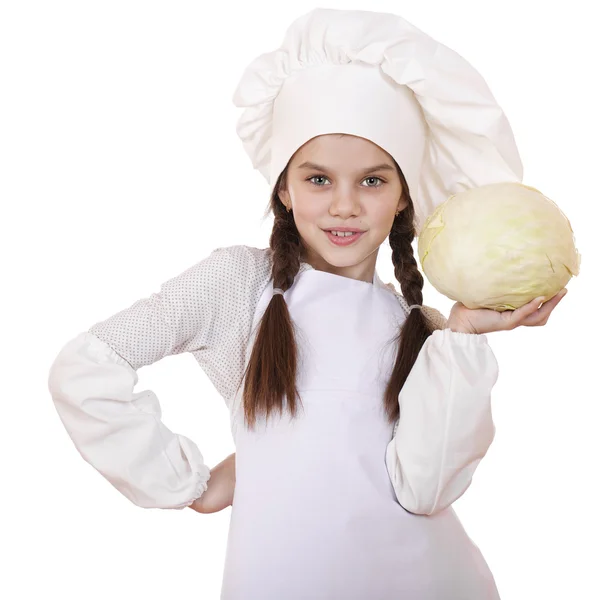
point(376, 76)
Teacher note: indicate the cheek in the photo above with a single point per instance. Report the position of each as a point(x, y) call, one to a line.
point(307, 213)
point(383, 216)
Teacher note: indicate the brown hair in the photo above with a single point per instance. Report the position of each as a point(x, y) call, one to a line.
point(271, 371)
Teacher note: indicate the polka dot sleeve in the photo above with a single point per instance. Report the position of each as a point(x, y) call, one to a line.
point(206, 310)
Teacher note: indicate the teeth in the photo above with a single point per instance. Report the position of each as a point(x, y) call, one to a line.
point(343, 233)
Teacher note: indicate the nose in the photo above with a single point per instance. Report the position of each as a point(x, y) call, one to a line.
point(345, 202)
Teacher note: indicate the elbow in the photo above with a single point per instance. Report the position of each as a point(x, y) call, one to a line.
point(412, 495)
point(426, 504)
point(436, 498)
point(422, 491)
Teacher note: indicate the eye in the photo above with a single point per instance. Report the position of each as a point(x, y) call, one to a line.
point(316, 177)
point(373, 177)
point(323, 177)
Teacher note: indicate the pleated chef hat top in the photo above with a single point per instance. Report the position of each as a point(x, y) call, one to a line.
point(376, 76)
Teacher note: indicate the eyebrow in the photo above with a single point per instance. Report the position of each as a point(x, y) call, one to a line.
point(381, 167)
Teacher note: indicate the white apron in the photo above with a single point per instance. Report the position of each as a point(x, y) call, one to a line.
point(314, 514)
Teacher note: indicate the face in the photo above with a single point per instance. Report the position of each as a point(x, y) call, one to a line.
point(343, 191)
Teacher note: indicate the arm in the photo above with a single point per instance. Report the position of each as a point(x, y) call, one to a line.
point(445, 426)
point(221, 487)
point(119, 432)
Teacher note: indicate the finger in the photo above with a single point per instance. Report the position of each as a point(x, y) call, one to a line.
point(549, 305)
point(551, 302)
point(540, 315)
point(526, 310)
point(528, 314)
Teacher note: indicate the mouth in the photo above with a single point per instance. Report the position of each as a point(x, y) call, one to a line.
point(344, 229)
point(345, 239)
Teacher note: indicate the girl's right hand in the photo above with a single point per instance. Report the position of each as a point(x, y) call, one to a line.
point(221, 485)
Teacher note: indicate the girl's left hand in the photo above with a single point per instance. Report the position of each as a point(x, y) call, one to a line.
point(484, 320)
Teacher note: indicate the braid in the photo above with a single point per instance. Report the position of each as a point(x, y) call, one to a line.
point(286, 247)
point(270, 377)
point(415, 329)
point(406, 269)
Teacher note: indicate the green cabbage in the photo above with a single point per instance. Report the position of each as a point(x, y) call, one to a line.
point(498, 246)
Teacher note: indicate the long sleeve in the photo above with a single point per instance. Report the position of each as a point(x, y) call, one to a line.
point(445, 426)
point(91, 381)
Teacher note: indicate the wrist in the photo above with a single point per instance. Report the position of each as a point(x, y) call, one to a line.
point(458, 327)
point(198, 504)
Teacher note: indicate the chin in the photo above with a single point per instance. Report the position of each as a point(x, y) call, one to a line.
point(343, 257)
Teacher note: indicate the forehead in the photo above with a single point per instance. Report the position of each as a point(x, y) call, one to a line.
point(340, 152)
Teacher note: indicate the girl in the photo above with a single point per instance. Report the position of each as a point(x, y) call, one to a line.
point(358, 414)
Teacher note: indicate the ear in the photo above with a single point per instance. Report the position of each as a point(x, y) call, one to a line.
point(284, 196)
point(403, 202)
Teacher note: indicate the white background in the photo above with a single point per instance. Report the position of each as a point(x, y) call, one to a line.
point(120, 167)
